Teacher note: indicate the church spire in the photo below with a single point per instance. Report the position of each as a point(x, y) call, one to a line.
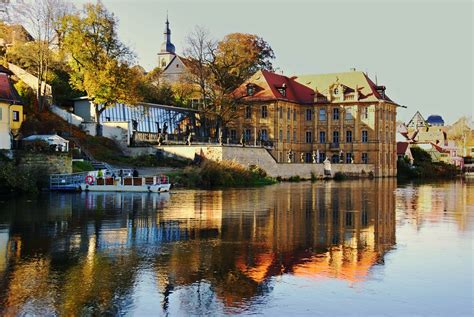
point(167, 46)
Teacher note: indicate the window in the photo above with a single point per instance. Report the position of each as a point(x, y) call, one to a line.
point(248, 112)
point(248, 135)
point(335, 159)
point(309, 114)
point(294, 115)
point(364, 217)
point(349, 115)
point(365, 112)
point(16, 116)
point(349, 219)
point(250, 90)
point(322, 157)
point(309, 137)
point(264, 112)
point(365, 137)
point(0, 114)
point(336, 91)
point(365, 158)
point(288, 115)
point(264, 135)
point(335, 114)
point(308, 158)
point(281, 112)
point(335, 137)
point(294, 135)
point(349, 136)
point(322, 137)
point(322, 114)
point(348, 158)
point(281, 135)
point(386, 136)
point(233, 134)
point(288, 135)
point(282, 91)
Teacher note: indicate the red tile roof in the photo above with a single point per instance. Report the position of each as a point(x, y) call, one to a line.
point(8, 93)
point(267, 85)
point(402, 147)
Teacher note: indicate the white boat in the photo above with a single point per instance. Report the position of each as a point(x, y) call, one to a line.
point(152, 184)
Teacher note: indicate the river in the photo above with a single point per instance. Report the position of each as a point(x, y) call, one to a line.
point(365, 247)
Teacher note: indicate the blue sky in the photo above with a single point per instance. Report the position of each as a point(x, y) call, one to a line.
point(421, 50)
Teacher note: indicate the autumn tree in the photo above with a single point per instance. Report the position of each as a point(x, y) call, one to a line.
point(99, 61)
point(43, 18)
point(219, 67)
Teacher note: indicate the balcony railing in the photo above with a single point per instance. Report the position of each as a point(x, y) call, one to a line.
point(150, 138)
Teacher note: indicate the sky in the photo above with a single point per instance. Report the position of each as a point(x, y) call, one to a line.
point(422, 51)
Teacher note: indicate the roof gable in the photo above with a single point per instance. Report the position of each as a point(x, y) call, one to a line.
point(351, 82)
point(417, 121)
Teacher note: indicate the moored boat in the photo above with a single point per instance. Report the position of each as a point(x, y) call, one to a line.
point(152, 184)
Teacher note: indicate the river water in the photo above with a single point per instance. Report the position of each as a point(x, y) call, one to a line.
point(368, 247)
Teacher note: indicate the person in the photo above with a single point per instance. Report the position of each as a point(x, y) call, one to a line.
point(121, 173)
point(135, 172)
point(100, 174)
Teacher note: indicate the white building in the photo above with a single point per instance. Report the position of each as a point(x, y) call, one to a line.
point(62, 145)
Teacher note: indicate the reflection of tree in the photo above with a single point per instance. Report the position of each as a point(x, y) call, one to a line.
point(211, 247)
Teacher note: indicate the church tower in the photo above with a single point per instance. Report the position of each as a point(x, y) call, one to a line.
point(167, 52)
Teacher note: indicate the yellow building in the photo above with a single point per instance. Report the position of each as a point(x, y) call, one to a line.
point(11, 110)
point(344, 117)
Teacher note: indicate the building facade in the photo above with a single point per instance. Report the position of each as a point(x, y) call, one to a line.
point(344, 117)
point(11, 110)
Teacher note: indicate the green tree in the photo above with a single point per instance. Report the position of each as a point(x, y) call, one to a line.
point(99, 61)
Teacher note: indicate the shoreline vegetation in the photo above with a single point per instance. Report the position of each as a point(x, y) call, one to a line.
point(424, 168)
point(210, 174)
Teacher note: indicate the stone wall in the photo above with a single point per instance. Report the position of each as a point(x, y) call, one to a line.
point(50, 163)
point(262, 158)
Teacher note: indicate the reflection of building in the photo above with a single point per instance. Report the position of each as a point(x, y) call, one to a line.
point(228, 243)
point(344, 116)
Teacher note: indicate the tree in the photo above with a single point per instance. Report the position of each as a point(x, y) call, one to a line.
point(99, 61)
point(219, 67)
point(43, 18)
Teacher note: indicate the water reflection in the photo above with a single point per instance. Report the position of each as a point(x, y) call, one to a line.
point(194, 252)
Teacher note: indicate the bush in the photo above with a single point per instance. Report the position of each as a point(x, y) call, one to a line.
point(13, 178)
point(294, 179)
point(220, 174)
point(339, 176)
point(424, 167)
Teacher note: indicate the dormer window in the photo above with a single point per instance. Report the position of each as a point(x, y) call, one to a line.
point(336, 91)
point(282, 90)
point(250, 90)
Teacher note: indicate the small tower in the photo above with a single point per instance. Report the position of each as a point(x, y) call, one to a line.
point(167, 51)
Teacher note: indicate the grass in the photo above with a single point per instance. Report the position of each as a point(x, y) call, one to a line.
point(84, 166)
point(223, 174)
